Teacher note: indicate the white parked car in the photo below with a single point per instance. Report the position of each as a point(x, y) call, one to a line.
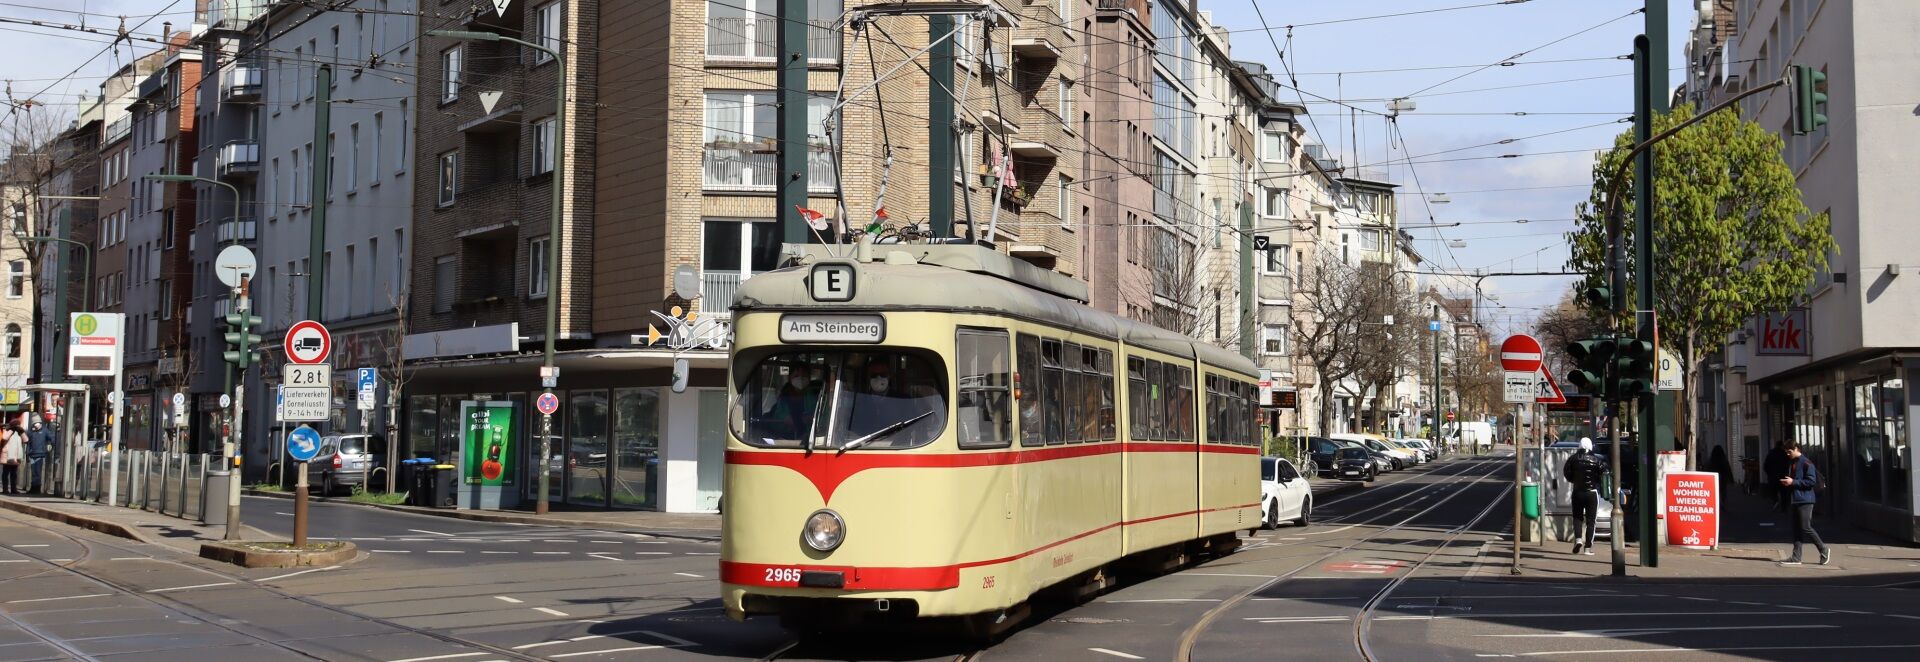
point(1399, 457)
point(1284, 494)
point(1426, 451)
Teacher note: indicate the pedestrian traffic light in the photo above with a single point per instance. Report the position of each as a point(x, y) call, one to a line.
point(1591, 357)
point(1809, 99)
point(1633, 371)
point(243, 344)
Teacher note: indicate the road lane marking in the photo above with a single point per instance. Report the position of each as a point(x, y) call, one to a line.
point(1850, 611)
point(431, 533)
point(603, 555)
point(1628, 632)
point(1302, 619)
point(609, 650)
point(553, 552)
point(606, 542)
point(1117, 654)
point(184, 588)
point(1688, 597)
point(1910, 618)
point(367, 538)
point(1744, 602)
point(507, 600)
point(666, 637)
point(64, 597)
point(1328, 599)
point(703, 553)
point(15, 560)
point(552, 612)
point(1798, 607)
point(556, 540)
point(20, 546)
point(496, 552)
point(1724, 649)
point(1617, 614)
point(1162, 600)
point(445, 551)
point(440, 657)
point(284, 514)
point(1222, 574)
point(689, 574)
point(302, 572)
point(390, 551)
point(131, 558)
point(653, 553)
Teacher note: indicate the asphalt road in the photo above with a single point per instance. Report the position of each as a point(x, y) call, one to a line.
point(1379, 575)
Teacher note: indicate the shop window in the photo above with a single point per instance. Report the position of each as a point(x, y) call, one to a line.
point(983, 392)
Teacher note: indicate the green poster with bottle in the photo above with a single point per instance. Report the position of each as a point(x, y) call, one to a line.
point(487, 448)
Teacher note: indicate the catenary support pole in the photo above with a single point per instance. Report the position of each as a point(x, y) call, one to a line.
point(1645, 90)
point(791, 120)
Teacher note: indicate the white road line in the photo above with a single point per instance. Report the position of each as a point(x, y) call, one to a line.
point(703, 553)
point(412, 539)
point(689, 574)
point(1614, 651)
point(1222, 574)
point(445, 551)
point(495, 552)
point(390, 551)
point(284, 514)
point(1116, 602)
point(666, 637)
point(431, 533)
point(1326, 599)
point(1850, 611)
point(20, 546)
point(183, 588)
point(1117, 654)
point(131, 558)
point(603, 555)
point(556, 541)
point(1684, 597)
point(440, 657)
point(506, 599)
point(1797, 607)
point(1910, 618)
point(1301, 619)
point(296, 574)
point(551, 612)
point(366, 538)
point(1620, 632)
point(1584, 615)
point(606, 542)
point(1744, 602)
point(511, 540)
point(609, 650)
point(15, 560)
point(64, 597)
point(553, 552)
point(653, 553)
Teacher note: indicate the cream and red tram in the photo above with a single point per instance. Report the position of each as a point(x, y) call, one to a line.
point(943, 431)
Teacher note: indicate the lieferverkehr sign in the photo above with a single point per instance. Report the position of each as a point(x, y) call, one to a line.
point(1784, 334)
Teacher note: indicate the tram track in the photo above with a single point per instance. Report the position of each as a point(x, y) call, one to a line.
point(1191, 636)
point(1363, 623)
point(792, 645)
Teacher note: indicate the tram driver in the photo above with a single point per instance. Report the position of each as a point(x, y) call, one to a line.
point(885, 398)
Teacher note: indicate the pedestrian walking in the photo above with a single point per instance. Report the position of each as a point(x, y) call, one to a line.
point(11, 455)
point(1587, 474)
point(39, 446)
point(1776, 467)
point(1801, 484)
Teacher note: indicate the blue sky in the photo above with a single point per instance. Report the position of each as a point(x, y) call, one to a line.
point(32, 58)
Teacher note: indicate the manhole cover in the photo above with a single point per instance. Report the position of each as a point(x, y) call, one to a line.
point(1088, 620)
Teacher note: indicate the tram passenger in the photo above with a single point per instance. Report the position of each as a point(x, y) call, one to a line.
point(797, 401)
point(888, 397)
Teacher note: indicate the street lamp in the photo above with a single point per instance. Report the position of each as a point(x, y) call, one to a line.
point(549, 375)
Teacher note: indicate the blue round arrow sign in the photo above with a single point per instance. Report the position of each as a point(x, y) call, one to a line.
point(303, 444)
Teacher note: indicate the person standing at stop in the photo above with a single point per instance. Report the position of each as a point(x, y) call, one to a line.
point(1587, 474)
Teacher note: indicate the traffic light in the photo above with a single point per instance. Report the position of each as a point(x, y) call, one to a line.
point(1591, 356)
point(243, 344)
point(1809, 99)
point(1633, 371)
point(1598, 296)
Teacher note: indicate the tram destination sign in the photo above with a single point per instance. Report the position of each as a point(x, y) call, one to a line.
point(842, 329)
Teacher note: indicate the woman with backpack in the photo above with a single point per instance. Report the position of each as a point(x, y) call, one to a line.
point(1802, 483)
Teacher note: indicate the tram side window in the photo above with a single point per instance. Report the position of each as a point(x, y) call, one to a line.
point(1156, 401)
point(1032, 421)
point(1137, 420)
point(1214, 398)
point(1243, 413)
point(1071, 410)
point(1104, 380)
point(1183, 404)
point(1089, 394)
point(1053, 390)
point(983, 374)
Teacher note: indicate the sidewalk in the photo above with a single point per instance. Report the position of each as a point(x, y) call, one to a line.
point(140, 525)
point(1753, 540)
point(692, 526)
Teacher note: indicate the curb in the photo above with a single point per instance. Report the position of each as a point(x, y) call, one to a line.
point(498, 518)
point(108, 527)
point(254, 558)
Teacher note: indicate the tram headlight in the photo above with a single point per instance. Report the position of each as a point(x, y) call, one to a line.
point(824, 530)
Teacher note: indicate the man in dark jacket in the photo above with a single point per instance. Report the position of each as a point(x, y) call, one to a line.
point(1587, 474)
point(1801, 484)
point(1776, 467)
point(39, 445)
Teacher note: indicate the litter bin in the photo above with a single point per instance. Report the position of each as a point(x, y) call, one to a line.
point(445, 485)
point(213, 497)
point(1530, 500)
point(421, 490)
point(408, 478)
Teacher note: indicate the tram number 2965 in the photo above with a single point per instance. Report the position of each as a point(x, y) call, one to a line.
point(783, 575)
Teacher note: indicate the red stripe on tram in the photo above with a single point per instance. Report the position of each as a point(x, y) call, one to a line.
point(827, 470)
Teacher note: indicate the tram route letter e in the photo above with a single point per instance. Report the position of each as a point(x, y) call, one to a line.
point(832, 281)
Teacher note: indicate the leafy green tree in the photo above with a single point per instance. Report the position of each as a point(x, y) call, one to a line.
point(1732, 237)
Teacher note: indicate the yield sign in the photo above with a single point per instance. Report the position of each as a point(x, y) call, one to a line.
point(1548, 392)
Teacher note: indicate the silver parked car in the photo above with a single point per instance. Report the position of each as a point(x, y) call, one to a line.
point(345, 462)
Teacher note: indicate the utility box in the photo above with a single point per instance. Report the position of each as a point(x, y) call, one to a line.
point(213, 497)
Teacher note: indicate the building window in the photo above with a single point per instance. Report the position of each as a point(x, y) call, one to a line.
point(379, 140)
point(1273, 147)
point(1273, 202)
point(546, 31)
point(537, 267)
point(749, 29)
point(443, 284)
point(1275, 261)
point(166, 299)
point(1273, 339)
point(741, 146)
point(543, 146)
point(1066, 201)
point(353, 157)
point(400, 154)
point(16, 279)
point(13, 341)
point(450, 62)
point(449, 176)
point(1066, 101)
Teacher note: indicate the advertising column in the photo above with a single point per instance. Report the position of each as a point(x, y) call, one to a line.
point(487, 456)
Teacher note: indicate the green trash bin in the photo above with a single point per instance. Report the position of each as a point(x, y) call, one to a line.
point(1530, 500)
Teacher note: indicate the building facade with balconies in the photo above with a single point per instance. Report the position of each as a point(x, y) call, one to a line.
point(156, 287)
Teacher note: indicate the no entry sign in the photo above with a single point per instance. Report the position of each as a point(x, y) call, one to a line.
point(1693, 509)
point(1520, 354)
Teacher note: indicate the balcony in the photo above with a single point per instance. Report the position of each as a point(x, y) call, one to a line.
point(753, 166)
point(237, 158)
point(242, 82)
point(753, 39)
point(234, 14)
point(1040, 35)
point(716, 293)
point(119, 129)
point(237, 230)
point(1045, 137)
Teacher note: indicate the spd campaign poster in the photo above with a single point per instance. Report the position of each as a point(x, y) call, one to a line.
point(1693, 509)
point(487, 453)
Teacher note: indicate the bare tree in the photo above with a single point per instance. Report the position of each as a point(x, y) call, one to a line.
point(396, 374)
point(1386, 351)
point(1332, 302)
point(1564, 323)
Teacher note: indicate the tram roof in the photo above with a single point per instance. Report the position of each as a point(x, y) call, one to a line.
point(898, 280)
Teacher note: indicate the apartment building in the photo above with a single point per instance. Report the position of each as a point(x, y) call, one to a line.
point(155, 285)
point(18, 199)
point(68, 193)
point(1832, 374)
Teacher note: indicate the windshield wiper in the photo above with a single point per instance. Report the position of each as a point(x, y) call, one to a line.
point(890, 429)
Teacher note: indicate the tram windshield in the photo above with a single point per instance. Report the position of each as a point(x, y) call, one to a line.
point(842, 400)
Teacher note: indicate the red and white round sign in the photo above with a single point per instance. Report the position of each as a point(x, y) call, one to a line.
point(308, 343)
point(1520, 354)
